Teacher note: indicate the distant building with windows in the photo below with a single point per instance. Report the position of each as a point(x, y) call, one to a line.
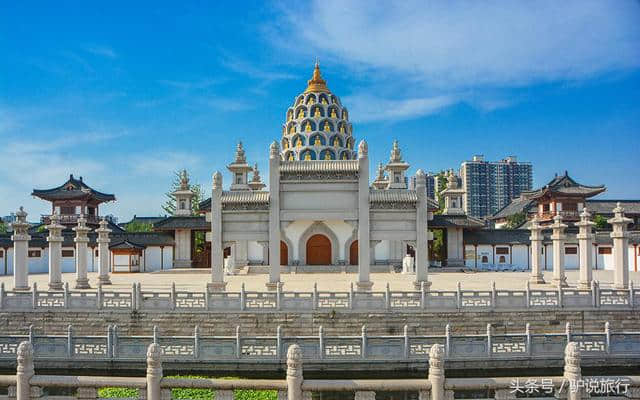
point(432, 185)
point(491, 185)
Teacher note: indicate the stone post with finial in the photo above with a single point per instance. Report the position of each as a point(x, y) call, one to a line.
point(217, 283)
point(294, 372)
point(558, 237)
point(620, 238)
point(154, 371)
point(585, 243)
point(24, 371)
point(20, 240)
point(436, 371)
point(81, 240)
point(103, 253)
point(422, 234)
point(572, 372)
point(536, 250)
point(55, 240)
point(364, 254)
point(274, 217)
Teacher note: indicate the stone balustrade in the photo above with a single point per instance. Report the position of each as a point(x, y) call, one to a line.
point(174, 300)
point(571, 385)
point(320, 348)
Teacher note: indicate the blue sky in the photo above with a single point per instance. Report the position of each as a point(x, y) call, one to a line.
point(124, 95)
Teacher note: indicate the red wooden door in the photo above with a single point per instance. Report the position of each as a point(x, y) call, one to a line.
point(284, 253)
point(318, 250)
point(353, 253)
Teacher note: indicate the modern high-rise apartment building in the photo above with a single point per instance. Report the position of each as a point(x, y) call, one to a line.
point(491, 185)
point(431, 187)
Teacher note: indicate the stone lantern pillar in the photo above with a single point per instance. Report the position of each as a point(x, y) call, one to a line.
point(536, 249)
point(81, 240)
point(364, 245)
point(558, 237)
point(422, 233)
point(620, 247)
point(20, 239)
point(103, 252)
point(274, 217)
point(55, 248)
point(217, 260)
point(585, 242)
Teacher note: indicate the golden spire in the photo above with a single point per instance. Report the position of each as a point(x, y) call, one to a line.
point(316, 83)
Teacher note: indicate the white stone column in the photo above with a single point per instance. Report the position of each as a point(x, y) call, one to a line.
point(455, 247)
point(364, 246)
point(585, 242)
point(558, 237)
point(294, 372)
point(572, 372)
point(422, 233)
point(620, 238)
point(24, 371)
point(274, 217)
point(103, 253)
point(81, 240)
point(20, 239)
point(154, 371)
point(536, 250)
point(55, 240)
point(436, 371)
point(217, 260)
point(183, 249)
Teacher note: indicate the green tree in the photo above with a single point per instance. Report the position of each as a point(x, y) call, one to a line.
point(515, 220)
point(3, 228)
point(437, 244)
point(137, 226)
point(441, 178)
point(170, 204)
point(600, 221)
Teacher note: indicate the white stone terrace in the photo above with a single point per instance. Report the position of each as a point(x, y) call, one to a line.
point(196, 279)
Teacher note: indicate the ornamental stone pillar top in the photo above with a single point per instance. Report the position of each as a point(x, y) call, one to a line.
point(535, 228)
point(217, 180)
point(558, 228)
point(55, 229)
point(585, 224)
point(274, 150)
point(619, 222)
point(363, 149)
point(20, 225)
point(103, 231)
point(81, 230)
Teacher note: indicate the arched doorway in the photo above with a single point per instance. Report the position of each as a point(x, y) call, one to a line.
point(353, 253)
point(284, 253)
point(318, 250)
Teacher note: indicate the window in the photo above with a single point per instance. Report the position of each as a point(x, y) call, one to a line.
point(485, 259)
point(34, 253)
point(570, 250)
point(67, 253)
point(182, 205)
point(502, 260)
point(570, 206)
point(1, 253)
point(97, 254)
point(67, 210)
point(502, 250)
point(91, 211)
point(604, 250)
point(239, 178)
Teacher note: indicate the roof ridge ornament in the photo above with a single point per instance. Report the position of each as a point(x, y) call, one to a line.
point(240, 155)
point(396, 154)
point(316, 83)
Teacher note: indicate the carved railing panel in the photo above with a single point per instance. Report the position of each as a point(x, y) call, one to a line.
point(508, 346)
point(574, 298)
point(217, 348)
point(51, 346)
point(90, 347)
point(369, 301)
point(445, 300)
point(9, 345)
point(132, 347)
point(50, 300)
point(511, 299)
point(17, 300)
point(177, 347)
point(625, 343)
point(190, 301)
point(475, 299)
point(419, 346)
point(258, 348)
point(155, 301)
point(548, 345)
point(342, 348)
point(590, 343)
point(116, 300)
point(221, 301)
point(386, 348)
point(614, 298)
point(331, 300)
point(260, 301)
point(83, 300)
point(310, 347)
point(296, 301)
point(468, 347)
point(543, 299)
point(405, 300)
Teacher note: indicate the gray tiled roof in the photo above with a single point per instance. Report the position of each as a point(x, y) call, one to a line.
point(521, 236)
point(465, 221)
point(141, 238)
point(72, 189)
point(196, 222)
point(605, 207)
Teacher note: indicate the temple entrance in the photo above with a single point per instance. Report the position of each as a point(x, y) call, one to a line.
point(353, 253)
point(284, 253)
point(319, 250)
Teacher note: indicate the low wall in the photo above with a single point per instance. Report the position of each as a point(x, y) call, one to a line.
point(334, 323)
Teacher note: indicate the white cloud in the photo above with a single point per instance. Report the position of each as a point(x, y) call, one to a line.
point(368, 108)
point(103, 51)
point(456, 44)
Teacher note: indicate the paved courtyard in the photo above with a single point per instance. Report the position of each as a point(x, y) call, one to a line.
point(195, 280)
